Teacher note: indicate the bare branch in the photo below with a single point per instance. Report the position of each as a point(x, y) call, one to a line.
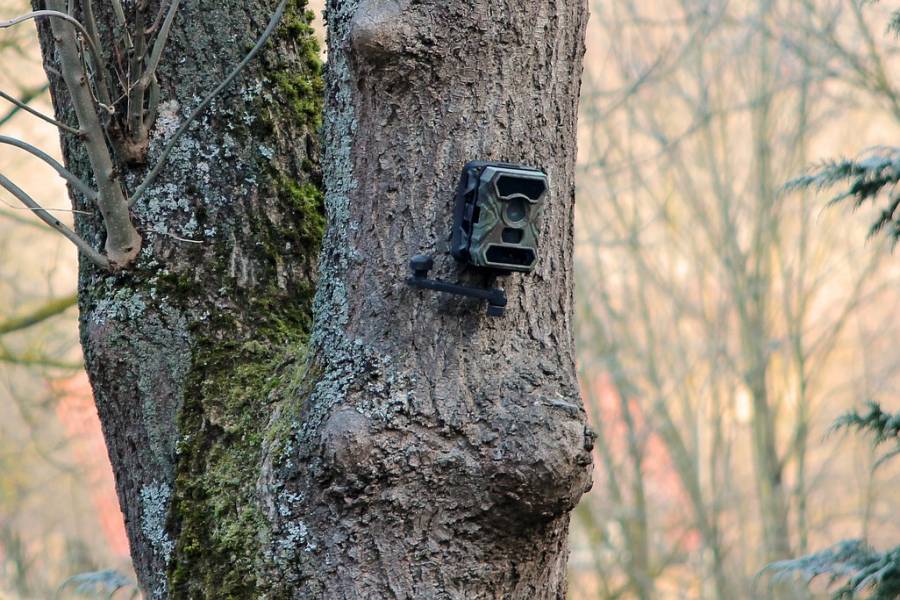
point(122, 240)
point(31, 360)
point(102, 89)
point(160, 15)
point(23, 105)
point(42, 313)
point(63, 172)
point(43, 13)
point(11, 206)
point(90, 22)
point(135, 110)
point(152, 104)
point(159, 45)
point(25, 100)
point(154, 173)
point(186, 240)
point(12, 216)
point(119, 12)
point(92, 255)
point(90, 25)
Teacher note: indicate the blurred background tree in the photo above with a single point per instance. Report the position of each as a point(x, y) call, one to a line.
point(723, 326)
point(852, 567)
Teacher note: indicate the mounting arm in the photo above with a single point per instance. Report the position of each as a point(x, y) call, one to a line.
point(422, 264)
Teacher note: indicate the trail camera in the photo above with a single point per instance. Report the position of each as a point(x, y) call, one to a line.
point(496, 225)
point(497, 216)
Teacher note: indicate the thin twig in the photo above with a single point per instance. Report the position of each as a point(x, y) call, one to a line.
point(43, 13)
point(20, 105)
point(135, 109)
point(11, 206)
point(90, 25)
point(90, 22)
point(119, 12)
point(122, 239)
point(102, 89)
point(273, 23)
point(34, 359)
point(26, 99)
point(181, 239)
point(160, 15)
point(85, 248)
point(29, 360)
point(152, 104)
point(63, 172)
point(12, 216)
point(159, 45)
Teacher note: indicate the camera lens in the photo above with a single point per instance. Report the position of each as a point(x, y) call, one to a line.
point(515, 210)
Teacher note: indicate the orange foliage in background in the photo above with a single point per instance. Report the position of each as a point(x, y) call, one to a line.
point(78, 416)
point(662, 483)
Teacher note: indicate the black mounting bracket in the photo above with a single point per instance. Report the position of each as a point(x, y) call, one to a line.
point(422, 264)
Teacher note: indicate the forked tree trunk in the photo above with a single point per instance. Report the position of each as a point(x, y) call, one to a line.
point(405, 445)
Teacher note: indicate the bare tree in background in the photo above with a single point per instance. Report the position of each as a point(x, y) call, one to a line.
point(715, 306)
point(853, 567)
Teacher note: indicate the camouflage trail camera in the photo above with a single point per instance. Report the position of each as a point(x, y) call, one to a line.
point(496, 225)
point(497, 216)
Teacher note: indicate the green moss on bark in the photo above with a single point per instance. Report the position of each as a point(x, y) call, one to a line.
point(307, 199)
point(221, 525)
point(302, 89)
point(232, 386)
point(298, 84)
point(243, 360)
point(249, 348)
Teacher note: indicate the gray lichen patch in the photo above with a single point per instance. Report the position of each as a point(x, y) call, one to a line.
point(155, 498)
point(339, 127)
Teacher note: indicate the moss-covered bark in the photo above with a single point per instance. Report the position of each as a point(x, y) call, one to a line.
point(236, 378)
point(188, 350)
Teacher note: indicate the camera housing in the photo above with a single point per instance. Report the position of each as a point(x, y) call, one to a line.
point(496, 224)
point(497, 213)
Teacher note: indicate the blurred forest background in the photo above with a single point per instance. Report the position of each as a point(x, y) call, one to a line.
point(722, 324)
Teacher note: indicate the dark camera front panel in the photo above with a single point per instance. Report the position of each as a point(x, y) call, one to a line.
point(512, 235)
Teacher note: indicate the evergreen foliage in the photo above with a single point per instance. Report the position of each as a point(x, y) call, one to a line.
point(883, 426)
point(873, 173)
point(858, 568)
point(876, 171)
point(894, 23)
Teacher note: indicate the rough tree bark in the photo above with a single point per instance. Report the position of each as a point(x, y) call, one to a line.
point(385, 443)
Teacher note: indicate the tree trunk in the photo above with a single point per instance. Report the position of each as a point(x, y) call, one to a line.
point(399, 444)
